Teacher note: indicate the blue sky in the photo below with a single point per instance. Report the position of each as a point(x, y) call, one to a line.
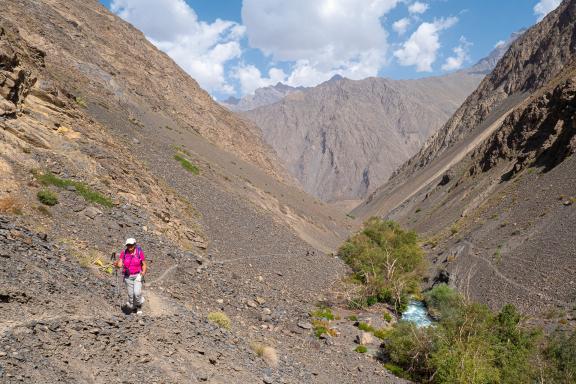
point(235, 46)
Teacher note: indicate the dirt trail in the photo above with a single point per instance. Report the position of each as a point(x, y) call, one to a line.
point(469, 252)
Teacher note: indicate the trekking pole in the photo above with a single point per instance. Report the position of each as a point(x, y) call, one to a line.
point(117, 288)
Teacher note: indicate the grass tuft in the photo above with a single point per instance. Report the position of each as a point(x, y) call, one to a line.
point(186, 164)
point(220, 319)
point(47, 197)
point(81, 101)
point(10, 205)
point(266, 353)
point(323, 313)
point(82, 189)
point(361, 349)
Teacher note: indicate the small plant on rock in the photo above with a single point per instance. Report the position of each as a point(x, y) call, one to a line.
point(322, 327)
point(361, 349)
point(220, 319)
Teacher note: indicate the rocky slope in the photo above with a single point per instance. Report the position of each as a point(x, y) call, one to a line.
point(493, 190)
point(343, 138)
point(80, 118)
point(113, 61)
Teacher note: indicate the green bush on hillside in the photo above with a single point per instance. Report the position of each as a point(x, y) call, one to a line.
point(47, 197)
point(82, 189)
point(186, 164)
point(443, 302)
point(387, 260)
point(560, 357)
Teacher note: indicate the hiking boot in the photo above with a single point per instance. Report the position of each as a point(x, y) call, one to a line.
point(139, 311)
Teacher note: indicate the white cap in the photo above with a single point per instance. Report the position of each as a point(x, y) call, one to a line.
point(130, 241)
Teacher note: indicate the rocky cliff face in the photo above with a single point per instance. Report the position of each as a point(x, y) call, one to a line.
point(493, 190)
point(343, 138)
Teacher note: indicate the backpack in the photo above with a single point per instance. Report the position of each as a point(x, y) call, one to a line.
point(137, 254)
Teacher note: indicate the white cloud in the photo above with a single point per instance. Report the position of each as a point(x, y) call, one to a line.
point(417, 7)
point(250, 78)
point(401, 26)
point(322, 37)
point(461, 55)
point(201, 49)
point(544, 7)
point(422, 46)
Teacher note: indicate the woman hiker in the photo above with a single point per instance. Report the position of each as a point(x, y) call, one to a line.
point(133, 264)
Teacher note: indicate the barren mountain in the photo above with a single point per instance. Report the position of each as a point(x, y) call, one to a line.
point(343, 138)
point(494, 188)
point(102, 137)
point(261, 97)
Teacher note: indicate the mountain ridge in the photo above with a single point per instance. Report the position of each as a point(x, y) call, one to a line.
point(493, 186)
point(343, 137)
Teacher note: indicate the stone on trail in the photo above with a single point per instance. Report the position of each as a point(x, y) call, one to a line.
point(92, 212)
point(304, 325)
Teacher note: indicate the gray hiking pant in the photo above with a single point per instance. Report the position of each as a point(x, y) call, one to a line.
point(134, 291)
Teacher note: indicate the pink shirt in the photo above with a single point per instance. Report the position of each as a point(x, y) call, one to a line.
point(133, 261)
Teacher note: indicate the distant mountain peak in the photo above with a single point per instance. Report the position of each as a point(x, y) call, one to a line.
point(485, 65)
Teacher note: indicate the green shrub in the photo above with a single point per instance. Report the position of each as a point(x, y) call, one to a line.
point(396, 370)
point(443, 302)
point(186, 164)
point(361, 349)
point(469, 344)
point(352, 318)
point(560, 355)
point(321, 327)
point(47, 197)
point(381, 333)
point(386, 316)
point(82, 189)
point(387, 260)
point(365, 327)
point(220, 319)
point(323, 313)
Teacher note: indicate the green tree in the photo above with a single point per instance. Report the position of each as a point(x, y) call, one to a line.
point(387, 260)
